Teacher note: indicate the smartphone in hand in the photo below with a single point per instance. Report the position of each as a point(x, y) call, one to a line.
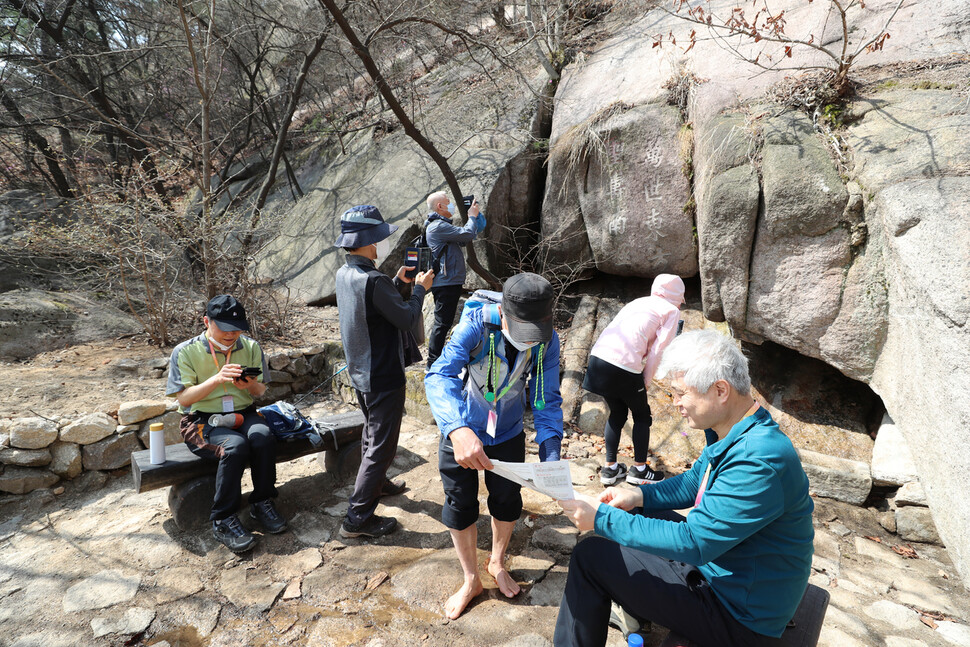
point(416, 259)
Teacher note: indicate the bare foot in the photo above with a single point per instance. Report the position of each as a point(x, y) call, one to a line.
point(506, 584)
point(460, 599)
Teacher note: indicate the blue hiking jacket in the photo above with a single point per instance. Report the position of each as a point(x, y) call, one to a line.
point(453, 385)
point(751, 536)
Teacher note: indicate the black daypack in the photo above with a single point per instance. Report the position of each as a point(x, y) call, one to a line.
point(422, 242)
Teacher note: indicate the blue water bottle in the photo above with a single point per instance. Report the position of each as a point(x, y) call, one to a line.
point(634, 640)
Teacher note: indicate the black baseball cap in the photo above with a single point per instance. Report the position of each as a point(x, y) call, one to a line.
point(227, 313)
point(527, 301)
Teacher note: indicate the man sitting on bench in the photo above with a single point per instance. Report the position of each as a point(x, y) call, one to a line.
point(206, 375)
point(734, 570)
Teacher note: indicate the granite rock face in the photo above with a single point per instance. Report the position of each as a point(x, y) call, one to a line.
point(33, 321)
point(836, 478)
point(130, 413)
point(861, 262)
point(917, 219)
point(66, 459)
point(170, 422)
point(616, 182)
point(20, 480)
point(111, 453)
point(104, 589)
point(25, 457)
point(801, 246)
point(392, 172)
point(892, 462)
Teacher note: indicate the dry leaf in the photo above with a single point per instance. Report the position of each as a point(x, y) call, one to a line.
point(875, 539)
point(906, 551)
point(935, 615)
point(377, 580)
point(926, 620)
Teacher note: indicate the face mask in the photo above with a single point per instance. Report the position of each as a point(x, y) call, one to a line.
point(383, 249)
point(451, 208)
point(520, 346)
point(218, 345)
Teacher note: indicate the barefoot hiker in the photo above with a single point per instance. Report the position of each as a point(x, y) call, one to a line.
point(477, 393)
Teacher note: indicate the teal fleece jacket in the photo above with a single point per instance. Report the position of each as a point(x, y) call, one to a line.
point(751, 535)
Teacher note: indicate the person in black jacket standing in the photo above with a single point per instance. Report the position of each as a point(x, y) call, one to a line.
point(374, 320)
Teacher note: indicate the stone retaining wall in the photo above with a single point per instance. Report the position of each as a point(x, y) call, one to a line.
point(37, 452)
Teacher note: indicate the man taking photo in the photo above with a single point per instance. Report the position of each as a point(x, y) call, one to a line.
point(375, 321)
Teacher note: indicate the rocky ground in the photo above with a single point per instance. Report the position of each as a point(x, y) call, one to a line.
point(91, 563)
point(102, 565)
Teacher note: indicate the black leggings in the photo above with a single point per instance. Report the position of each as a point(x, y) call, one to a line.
point(624, 392)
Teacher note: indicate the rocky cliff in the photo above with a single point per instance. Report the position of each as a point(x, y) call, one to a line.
point(851, 246)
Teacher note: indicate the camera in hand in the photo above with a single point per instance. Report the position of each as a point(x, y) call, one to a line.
point(468, 200)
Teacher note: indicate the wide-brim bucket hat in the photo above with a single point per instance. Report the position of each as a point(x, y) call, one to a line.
point(361, 226)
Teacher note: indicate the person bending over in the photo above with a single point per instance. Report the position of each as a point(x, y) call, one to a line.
point(499, 358)
point(621, 367)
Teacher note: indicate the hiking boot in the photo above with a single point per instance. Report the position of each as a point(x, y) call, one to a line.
point(374, 526)
point(233, 536)
point(266, 514)
point(643, 476)
point(610, 475)
point(393, 488)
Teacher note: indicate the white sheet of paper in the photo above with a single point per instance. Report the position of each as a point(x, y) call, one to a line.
point(551, 478)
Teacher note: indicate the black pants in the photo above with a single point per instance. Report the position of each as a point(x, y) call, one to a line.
point(461, 485)
point(383, 411)
point(671, 594)
point(624, 392)
point(446, 300)
point(252, 445)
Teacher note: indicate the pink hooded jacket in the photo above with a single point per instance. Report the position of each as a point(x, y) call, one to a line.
point(637, 336)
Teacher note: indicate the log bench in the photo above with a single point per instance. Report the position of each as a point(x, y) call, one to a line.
point(193, 479)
